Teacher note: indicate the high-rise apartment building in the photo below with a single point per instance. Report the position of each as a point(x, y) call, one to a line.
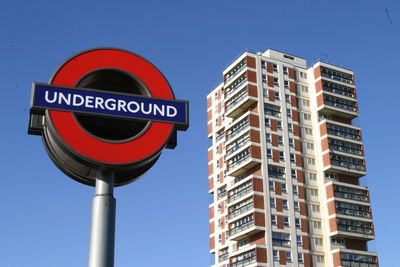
point(285, 165)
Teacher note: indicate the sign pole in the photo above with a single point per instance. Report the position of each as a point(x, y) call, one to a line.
point(102, 233)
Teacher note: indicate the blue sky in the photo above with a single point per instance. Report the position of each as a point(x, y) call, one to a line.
point(162, 219)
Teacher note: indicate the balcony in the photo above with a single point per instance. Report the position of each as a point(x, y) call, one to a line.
point(351, 258)
point(238, 144)
point(239, 211)
point(338, 89)
point(240, 191)
point(345, 147)
point(337, 76)
point(237, 129)
point(244, 259)
point(244, 160)
point(350, 193)
point(338, 130)
point(234, 87)
point(244, 227)
point(241, 101)
point(344, 164)
point(354, 228)
point(337, 106)
point(235, 70)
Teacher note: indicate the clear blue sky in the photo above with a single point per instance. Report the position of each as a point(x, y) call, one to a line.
point(162, 219)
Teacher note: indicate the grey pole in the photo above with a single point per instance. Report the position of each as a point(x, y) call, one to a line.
point(102, 233)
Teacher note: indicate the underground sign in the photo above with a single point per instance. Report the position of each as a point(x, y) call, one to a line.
point(106, 109)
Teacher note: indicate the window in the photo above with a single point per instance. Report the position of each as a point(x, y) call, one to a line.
point(292, 158)
point(286, 221)
point(310, 161)
point(288, 256)
point(273, 219)
point(291, 142)
point(313, 192)
point(243, 242)
point(216, 122)
point(269, 153)
point(276, 172)
point(296, 206)
point(289, 112)
point(276, 82)
point(271, 186)
point(303, 75)
point(305, 102)
point(275, 255)
point(314, 208)
point(295, 190)
point(263, 64)
point(310, 146)
point(300, 257)
point(297, 222)
point(286, 84)
point(290, 127)
point(306, 116)
point(304, 89)
point(316, 224)
point(312, 176)
point(274, 67)
point(293, 173)
point(284, 189)
point(267, 122)
point(287, 97)
point(280, 140)
point(319, 258)
point(218, 178)
point(284, 204)
point(277, 96)
point(308, 131)
point(318, 241)
point(299, 240)
point(281, 156)
point(272, 202)
point(279, 125)
point(280, 239)
point(268, 137)
point(337, 241)
point(264, 78)
point(272, 110)
point(216, 96)
point(285, 70)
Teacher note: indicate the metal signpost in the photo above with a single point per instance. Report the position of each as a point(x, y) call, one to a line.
point(105, 118)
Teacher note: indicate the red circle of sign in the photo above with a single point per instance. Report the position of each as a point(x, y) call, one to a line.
point(149, 143)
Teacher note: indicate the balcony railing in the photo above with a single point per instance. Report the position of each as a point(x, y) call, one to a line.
point(344, 134)
point(235, 87)
point(337, 78)
point(350, 263)
point(236, 70)
point(351, 196)
point(223, 257)
point(236, 100)
point(220, 137)
point(342, 148)
point(244, 262)
point(340, 105)
point(338, 91)
point(350, 212)
point(348, 165)
point(241, 193)
point(239, 161)
point(237, 131)
point(241, 210)
point(238, 146)
point(241, 228)
point(355, 229)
